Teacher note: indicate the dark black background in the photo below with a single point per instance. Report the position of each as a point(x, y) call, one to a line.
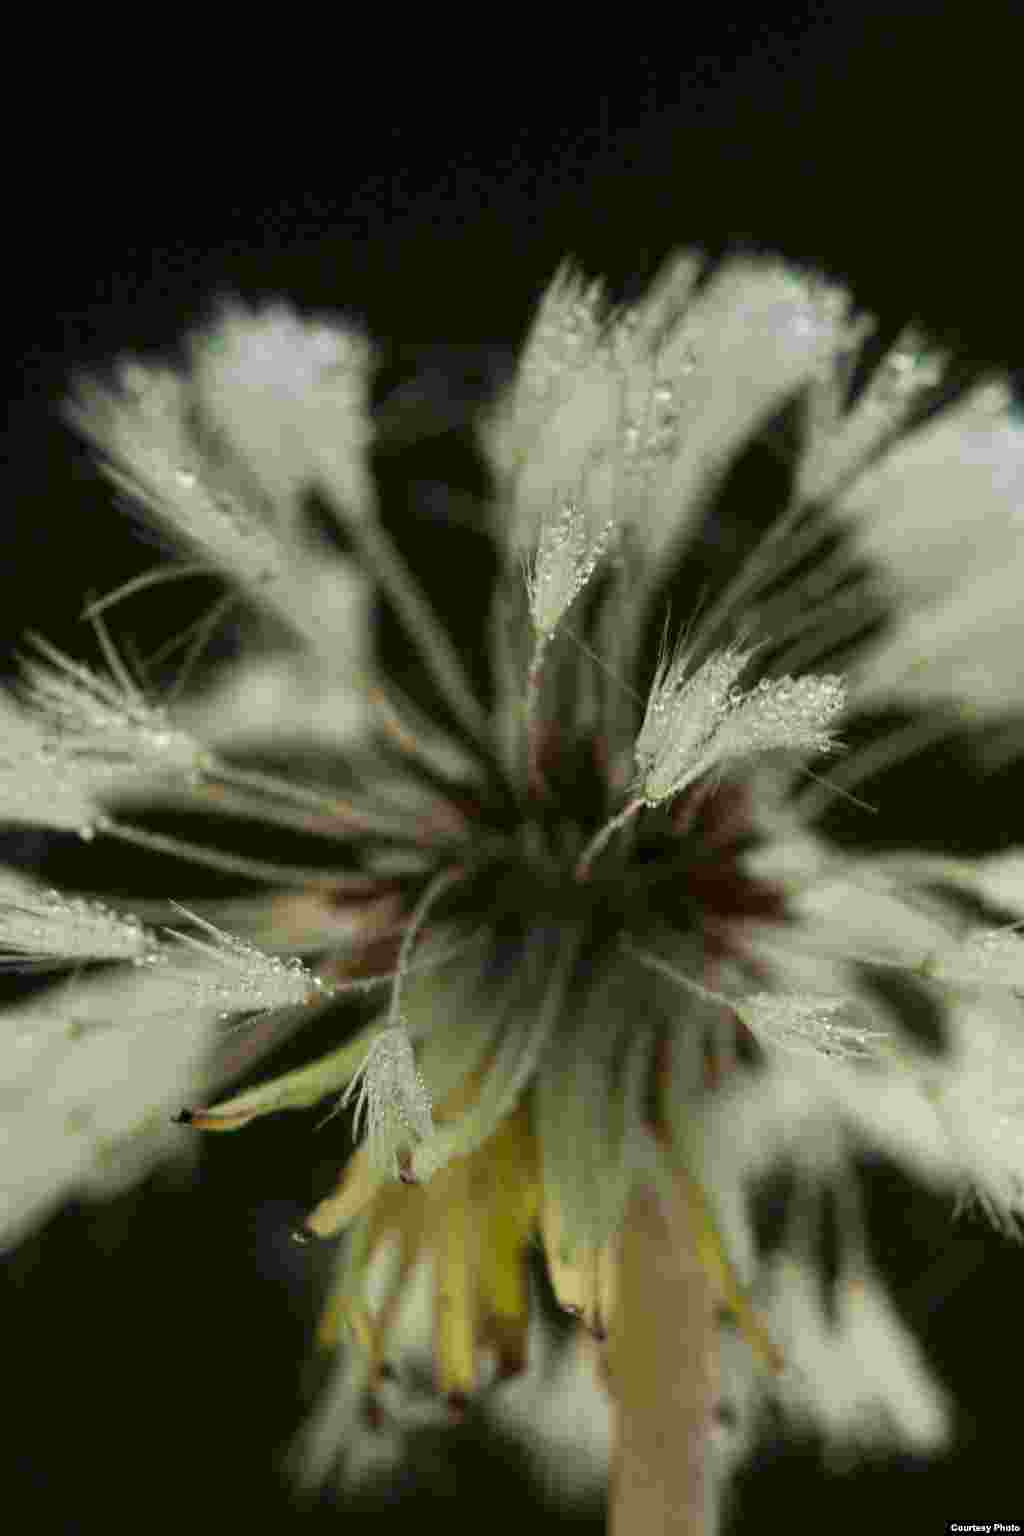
point(430, 186)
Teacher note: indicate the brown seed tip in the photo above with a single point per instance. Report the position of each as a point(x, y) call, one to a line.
point(511, 1363)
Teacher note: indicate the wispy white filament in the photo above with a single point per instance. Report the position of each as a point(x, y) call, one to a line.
point(819, 1025)
point(989, 957)
point(290, 395)
point(90, 1076)
point(89, 717)
point(40, 926)
point(235, 976)
point(392, 1101)
point(567, 556)
point(633, 411)
point(142, 428)
point(841, 441)
point(864, 1379)
point(41, 785)
point(697, 722)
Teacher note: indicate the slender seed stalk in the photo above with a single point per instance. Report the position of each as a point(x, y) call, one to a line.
point(430, 636)
point(216, 858)
point(352, 816)
point(419, 915)
point(533, 682)
point(598, 842)
point(890, 749)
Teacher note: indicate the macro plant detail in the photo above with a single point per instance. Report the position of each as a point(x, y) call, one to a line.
point(623, 972)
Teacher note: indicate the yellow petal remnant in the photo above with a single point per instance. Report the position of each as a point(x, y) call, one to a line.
point(472, 1221)
point(210, 1120)
point(458, 1247)
point(359, 1183)
point(583, 1278)
point(711, 1251)
point(506, 1183)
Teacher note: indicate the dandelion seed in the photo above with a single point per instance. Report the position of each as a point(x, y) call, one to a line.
point(987, 957)
point(39, 927)
point(93, 719)
point(566, 559)
point(810, 1024)
point(701, 721)
point(290, 395)
point(392, 1097)
point(236, 976)
point(142, 429)
point(39, 784)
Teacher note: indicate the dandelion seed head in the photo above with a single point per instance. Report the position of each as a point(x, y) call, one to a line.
point(611, 943)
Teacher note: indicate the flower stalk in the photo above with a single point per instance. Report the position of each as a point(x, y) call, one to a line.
point(662, 1379)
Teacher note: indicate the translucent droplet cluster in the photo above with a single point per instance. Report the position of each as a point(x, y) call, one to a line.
point(43, 785)
point(38, 925)
point(788, 713)
point(820, 1026)
point(86, 716)
point(237, 977)
point(393, 1100)
point(567, 556)
point(693, 723)
point(988, 957)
